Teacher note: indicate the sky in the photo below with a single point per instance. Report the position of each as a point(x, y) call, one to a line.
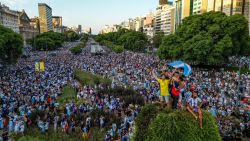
point(88, 13)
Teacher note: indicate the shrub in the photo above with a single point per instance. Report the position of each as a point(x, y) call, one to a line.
point(129, 96)
point(182, 126)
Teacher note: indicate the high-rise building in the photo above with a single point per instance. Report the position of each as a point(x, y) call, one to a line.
point(199, 6)
point(57, 24)
point(45, 15)
point(148, 25)
point(139, 23)
point(79, 29)
point(9, 18)
point(183, 9)
point(164, 19)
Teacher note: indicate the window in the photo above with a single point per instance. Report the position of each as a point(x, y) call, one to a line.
point(238, 10)
point(238, 3)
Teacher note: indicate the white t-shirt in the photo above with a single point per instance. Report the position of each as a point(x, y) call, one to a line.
point(194, 102)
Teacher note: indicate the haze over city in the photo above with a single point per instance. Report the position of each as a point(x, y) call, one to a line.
point(88, 13)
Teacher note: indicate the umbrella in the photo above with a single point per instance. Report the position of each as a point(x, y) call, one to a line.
point(180, 64)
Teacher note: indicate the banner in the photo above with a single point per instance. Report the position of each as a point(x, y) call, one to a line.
point(42, 66)
point(37, 68)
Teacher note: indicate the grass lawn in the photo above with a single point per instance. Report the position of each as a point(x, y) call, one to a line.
point(86, 78)
point(68, 96)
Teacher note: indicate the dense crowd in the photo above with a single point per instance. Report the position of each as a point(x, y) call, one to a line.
point(240, 61)
point(23, 92)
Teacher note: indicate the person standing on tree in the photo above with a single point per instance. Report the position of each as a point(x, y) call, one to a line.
point(164, 91)
point(175, 90)
point(194, 106)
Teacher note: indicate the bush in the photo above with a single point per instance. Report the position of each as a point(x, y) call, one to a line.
point(182, 126)
point(147, 114)
point(129, 96)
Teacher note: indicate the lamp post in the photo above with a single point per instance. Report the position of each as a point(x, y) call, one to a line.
point(124, 60)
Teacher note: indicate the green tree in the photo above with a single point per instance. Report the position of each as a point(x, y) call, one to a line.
point(71, 36)
point(11, 45)
point(209, 38)
point(131, 40)
point(44, 44)
point(47, 41)
point(157, 39)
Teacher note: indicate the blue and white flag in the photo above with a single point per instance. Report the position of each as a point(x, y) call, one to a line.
point(180, 64)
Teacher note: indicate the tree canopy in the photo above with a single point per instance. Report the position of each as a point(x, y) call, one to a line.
point(131, 40)
point(47, 41)
point(157, 39)
point(11, 45)
point(209, 38)
point(71, 36)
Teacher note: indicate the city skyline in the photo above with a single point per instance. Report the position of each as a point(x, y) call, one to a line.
point(88, 13)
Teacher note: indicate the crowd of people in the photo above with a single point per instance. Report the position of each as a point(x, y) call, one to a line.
point(23, 91)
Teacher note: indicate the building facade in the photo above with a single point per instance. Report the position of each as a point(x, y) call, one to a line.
point(139, 23)
point(34, 22)
point(198, 6)
point(108, 29)
point(45, 17)
point(26, 29)
point(9, 18)
point(164, 19)
point(148, 25)
point(183, 9)
point(57, 24)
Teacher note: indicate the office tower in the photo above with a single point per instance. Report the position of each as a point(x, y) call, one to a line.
point(45, 17)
